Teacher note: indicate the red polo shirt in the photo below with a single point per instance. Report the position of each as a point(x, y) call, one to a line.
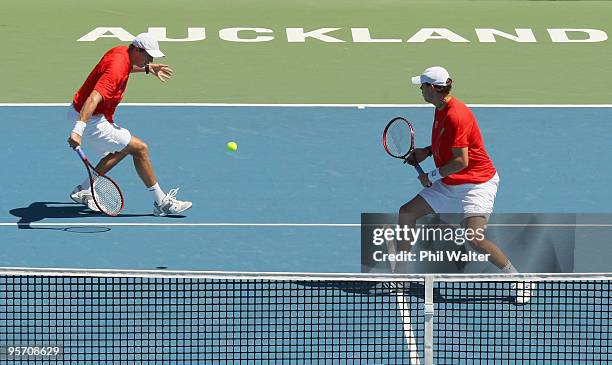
point(109, 78)
point(455, 127)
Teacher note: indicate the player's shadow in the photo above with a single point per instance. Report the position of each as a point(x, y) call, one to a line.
point(412, 289)
point(368, 288)
point(37, 211)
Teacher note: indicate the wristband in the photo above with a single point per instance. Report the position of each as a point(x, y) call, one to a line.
point(434, 175)
point(79, 128)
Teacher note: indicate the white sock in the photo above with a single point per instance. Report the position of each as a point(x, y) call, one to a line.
point(158, 193)
point(509, 268)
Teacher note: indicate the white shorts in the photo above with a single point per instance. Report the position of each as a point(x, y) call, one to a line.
point(469, 199)
point(100, 137)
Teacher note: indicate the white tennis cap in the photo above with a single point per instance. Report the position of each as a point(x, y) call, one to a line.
point(434, 75)
point(148, 43)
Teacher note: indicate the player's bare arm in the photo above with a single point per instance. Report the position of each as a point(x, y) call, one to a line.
point(88, 109)
point(459, 161)
point(161, 71)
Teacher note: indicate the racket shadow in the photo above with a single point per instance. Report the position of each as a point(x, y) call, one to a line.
point(38, 211)
point(370, 288)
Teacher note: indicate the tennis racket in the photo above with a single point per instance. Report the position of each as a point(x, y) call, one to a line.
point(105, 192)
point(398, 140)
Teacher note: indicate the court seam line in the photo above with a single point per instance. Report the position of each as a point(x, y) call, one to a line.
point(321, 105)
point(349, 225)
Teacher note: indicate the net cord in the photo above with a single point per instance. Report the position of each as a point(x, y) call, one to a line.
point(246, 275)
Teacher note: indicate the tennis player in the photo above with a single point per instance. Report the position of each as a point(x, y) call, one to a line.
point(464, 180)
point(92, 112)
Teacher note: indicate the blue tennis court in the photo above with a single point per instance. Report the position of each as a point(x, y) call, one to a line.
point(289, 200)
point(313, 169)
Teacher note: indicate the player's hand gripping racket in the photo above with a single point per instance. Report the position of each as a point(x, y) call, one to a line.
point(105, 192)
point(398, 140)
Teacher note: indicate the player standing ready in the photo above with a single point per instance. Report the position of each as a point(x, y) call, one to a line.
point(92, 112)
point(465, 180)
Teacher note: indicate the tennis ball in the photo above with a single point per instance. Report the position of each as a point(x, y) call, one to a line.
point(232, 146)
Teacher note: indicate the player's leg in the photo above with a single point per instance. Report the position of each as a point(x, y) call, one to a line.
point(524, 290)
point(82, 193)
point(165, 204)
point(140, 154)
point(478, 204)
point(109, 161)
point(497, 257)
point(409, 213)
point(142, 161)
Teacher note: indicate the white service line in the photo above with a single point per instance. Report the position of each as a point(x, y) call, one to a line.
point(349, 225)
point(42, 224)
point(295, 105)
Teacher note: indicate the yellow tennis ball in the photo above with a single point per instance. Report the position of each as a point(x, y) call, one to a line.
point(232, 146)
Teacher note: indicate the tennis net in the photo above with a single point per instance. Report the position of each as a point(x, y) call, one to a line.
point(564, 322)
point(198, 318)
point(162, 317)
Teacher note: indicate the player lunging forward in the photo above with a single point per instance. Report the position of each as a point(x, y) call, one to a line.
point(92, 113)
point(465, 180)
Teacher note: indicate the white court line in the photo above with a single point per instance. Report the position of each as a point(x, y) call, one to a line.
point(405, 314)
point(42, 224)
point(315, 225)
point(350, 105)
point(521, 225)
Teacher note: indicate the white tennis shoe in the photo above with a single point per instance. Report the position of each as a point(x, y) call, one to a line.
point(91, 204)
point(83, 196)
point(170, 205)
point(80, 195)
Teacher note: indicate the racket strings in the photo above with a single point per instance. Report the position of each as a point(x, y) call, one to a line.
point(398, 139)
point(107, 195)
